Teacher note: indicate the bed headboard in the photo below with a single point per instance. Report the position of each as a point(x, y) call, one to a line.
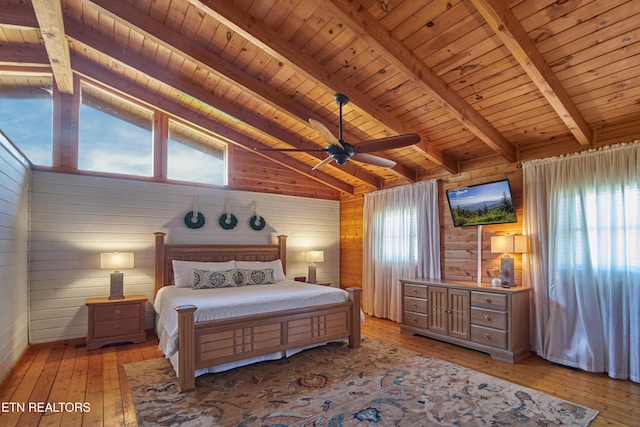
point(165, 253)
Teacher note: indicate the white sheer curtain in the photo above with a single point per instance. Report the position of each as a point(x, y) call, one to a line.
point(583, 215)
point(401, 240)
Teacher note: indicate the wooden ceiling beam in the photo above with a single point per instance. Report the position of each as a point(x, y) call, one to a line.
point(84, 36)
point(51, 23)
point(420, 74)
point(508, 29)
point(269, 41)
point(115, 82)
point(159, 33)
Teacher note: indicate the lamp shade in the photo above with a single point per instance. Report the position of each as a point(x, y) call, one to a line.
point(314, 256)
point(116, 260)
point(508, 244)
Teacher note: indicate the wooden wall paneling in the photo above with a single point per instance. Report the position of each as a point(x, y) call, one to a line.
point(351, 240)
point(76, 217)
point(14, 256)
point(459, 245)
point(250, 172)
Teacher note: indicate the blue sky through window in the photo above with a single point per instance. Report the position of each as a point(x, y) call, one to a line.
point(28, 123)
point(110, 144)
point(115, 135)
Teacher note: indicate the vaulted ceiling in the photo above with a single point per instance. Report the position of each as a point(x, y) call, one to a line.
point(481, 81)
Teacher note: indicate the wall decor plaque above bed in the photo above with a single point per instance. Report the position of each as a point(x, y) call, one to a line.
point(194, 221)
point(228, 221)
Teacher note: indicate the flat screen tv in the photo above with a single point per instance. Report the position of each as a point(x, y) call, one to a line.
point(482, 204)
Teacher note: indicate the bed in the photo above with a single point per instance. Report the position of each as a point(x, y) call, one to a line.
point(278, 320)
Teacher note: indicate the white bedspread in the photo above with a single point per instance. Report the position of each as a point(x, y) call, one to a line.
point(224, 303)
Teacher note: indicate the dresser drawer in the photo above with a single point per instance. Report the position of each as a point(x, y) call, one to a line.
point(114, 312)
point(489, 318)
point(416, 291)
point(487, 336)
point(415, 304)
point(415, 320)
point(494, 301)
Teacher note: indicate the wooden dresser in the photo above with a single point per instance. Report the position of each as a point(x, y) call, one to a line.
point(115, 321)
point(492, 320)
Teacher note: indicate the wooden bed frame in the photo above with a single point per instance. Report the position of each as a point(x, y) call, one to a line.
point(210, 343)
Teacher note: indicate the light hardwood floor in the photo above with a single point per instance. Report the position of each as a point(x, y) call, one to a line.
point(65, 372)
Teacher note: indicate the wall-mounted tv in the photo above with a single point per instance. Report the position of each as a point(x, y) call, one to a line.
point(482, 204)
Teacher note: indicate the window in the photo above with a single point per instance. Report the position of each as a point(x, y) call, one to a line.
point(400, 234)
point(26, 116)
point(115, 135)
point(194, 156)
point(597, 228)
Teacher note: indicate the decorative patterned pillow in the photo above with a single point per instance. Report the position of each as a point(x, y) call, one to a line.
point(203, 279)
point(254, 277)
point(183, 270)
point(278, 272)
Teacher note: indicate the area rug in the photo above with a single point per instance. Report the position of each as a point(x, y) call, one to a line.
point(377, 384)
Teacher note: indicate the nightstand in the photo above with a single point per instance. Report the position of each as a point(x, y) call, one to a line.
point(323, 283)
point(116, 320)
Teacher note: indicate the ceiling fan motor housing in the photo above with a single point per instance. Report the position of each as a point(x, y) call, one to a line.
point(341, 154)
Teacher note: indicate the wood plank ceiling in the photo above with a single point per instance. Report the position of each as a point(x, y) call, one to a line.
point(481, 81)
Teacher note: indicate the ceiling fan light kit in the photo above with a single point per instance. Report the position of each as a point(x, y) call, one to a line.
point(341, 151)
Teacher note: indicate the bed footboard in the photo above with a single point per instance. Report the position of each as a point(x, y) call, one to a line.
point(221, 341)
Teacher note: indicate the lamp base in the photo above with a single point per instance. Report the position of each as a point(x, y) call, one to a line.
point(506, 271)
point(312, 274)
point(116, 291)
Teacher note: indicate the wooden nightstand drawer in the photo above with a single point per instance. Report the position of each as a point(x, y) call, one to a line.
point(116, 321)
point(116, 312)
point(116, 328)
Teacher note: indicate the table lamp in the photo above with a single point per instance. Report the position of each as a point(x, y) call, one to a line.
point(507, 245)
point(115, 261)
point(312, 257)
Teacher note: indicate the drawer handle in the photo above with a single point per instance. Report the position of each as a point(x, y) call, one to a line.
point(487, 336)
point(488, 300)
point(118, 311)
point(415, 291)
point(487, 317)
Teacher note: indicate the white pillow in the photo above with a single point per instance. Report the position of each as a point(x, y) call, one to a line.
point(183, 270)
point(278, 273)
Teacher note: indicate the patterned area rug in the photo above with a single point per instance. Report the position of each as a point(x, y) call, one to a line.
point(377, 384)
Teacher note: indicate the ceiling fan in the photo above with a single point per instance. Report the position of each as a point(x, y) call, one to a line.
point(341, 151)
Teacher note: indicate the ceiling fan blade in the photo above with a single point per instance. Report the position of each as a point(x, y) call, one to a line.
point(323, 131)
point(322, 163)
point(370, 159)
point(306, 150)
point(387, 143)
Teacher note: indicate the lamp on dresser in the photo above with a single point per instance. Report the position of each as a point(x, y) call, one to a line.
point(312, 257)
point(116, 261)
point(507, 245)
